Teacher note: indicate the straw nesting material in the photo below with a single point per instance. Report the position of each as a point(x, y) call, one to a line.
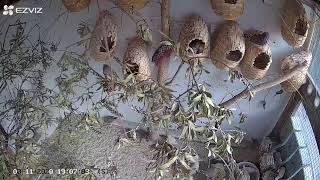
point(103, 41)
point(194, 40)
point(228, 47)
point(76, 5)
point(294, 25)
point(136, 60)
point(228, 9)
point(291, 61)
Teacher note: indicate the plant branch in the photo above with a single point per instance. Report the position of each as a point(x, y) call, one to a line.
point(251, 91)
point(3, 132)
point(176, 73)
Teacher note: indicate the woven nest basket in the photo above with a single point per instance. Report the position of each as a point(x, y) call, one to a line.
point(288, 63)
point(229, 46)
point(136, 60)
point(194, 39)
point(76, 5)
point(295, 25)
point(104, 38)
point(257, 58)
point(131, 6)
point(228, 9)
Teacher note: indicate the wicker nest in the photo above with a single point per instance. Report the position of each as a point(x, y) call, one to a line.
point(194, 39)
point(257, 59)
point(136, 60)
point(228, 9)
point(265, 146)
point(104, 38)
point(229, 46)
point(288, 63)
point(267, 162)
point(131, 6)
point(295, 25)
point(76, 5)
point(269, 175)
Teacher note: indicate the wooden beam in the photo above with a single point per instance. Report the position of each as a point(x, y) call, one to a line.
point(165, 17)
point(263, 86)
point(290, 108)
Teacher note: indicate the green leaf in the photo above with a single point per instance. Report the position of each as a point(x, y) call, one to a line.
point(184, 131)
point(209, 101)
point(184, 164)
point(197, 99)
point(169, 163)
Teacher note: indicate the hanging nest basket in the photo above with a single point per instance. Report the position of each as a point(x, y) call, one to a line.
point(194, 39)
point(289, 63)
point(136, 60)
point(104, 38)
point(295, 25)
point(229, 46)
point(131, 6)
point(228, 9)
point(257, 59)
point(76, 5)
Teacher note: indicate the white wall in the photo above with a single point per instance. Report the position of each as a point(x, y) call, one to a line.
point(257, 15)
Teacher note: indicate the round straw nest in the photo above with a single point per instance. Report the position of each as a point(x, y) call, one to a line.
point(257, 58)
point(194, 39)
point(229, 46)
point(136, 60)
point(228, 9)
point(131, 6)
point(295, 25)
point(291, 61)
point(76, 5)
point(104, 38)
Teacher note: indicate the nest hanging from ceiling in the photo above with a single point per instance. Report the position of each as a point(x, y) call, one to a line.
point(288, 63)
point(76, 5)
point(228, 9)
point(229, 46)
point(194, 39)
point(257, 59)
point(136, 60)
point(104, 38)
point(131, 6)
point(295, 25)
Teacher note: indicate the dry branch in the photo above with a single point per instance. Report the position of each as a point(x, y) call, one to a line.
point(165, 17)
point(251, 91)
point(165, 29)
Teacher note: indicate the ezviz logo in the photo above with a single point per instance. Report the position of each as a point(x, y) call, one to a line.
point(9, 10)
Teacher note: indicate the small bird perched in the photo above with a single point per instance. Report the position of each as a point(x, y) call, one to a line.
point(161, 58)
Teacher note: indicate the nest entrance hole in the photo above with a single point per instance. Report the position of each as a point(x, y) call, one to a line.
point(260, 38)
point(110, 43)
point(301, 27)
point(132, 68)
point(234, 55)
point(197, 46)
point(231, 1)
point(262, 61)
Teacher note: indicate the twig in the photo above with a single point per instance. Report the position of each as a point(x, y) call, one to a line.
point(247, 92)
point(176, 73)
point(3, 132)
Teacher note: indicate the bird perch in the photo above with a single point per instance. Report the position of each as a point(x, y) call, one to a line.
point(251, 91)
point(163, 63)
